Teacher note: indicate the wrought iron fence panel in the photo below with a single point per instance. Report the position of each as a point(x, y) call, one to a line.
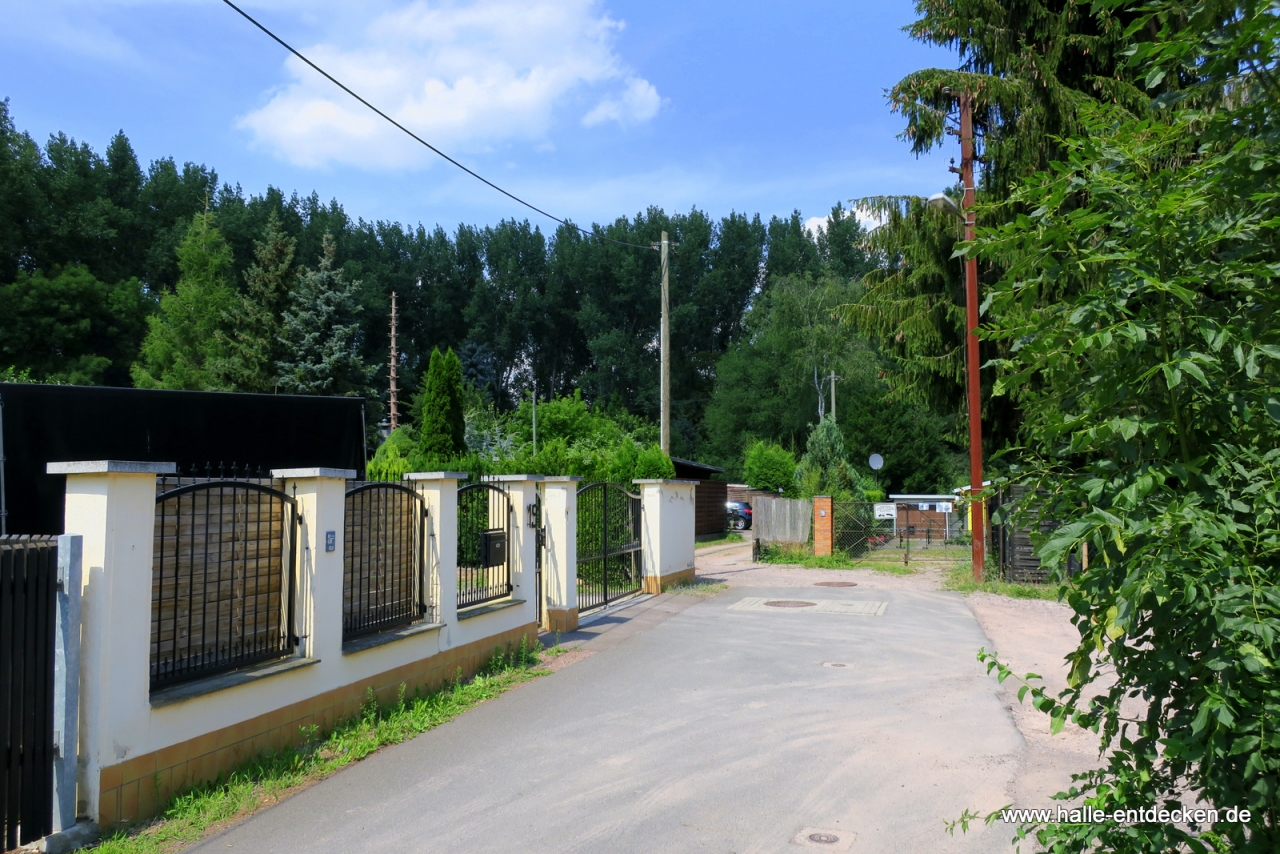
point(610, 560)
point(384, 561)
point(28, 602)
point(222, 583)
point(484, 544)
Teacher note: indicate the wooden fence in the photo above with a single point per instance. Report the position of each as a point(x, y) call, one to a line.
point(781, 520)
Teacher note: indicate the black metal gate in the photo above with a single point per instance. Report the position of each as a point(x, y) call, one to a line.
point(222, 585)
point(484, 544)
point(609, 557)
point(384, 577)
point(28, 604)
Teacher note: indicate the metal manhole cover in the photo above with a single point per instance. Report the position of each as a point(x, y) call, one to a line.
point(826, 838)
point(836, 664)
point(850, 607)
point(836, 584)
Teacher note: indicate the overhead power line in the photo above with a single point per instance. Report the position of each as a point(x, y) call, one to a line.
point(336, 82)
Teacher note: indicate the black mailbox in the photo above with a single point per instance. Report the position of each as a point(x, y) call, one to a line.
point(493, 547)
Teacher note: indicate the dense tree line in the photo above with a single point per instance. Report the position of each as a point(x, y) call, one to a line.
point(170, 277)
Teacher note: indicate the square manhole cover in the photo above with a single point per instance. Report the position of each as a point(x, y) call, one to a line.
point(849, 607)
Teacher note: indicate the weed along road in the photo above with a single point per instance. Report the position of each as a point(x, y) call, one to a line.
point(740, 722)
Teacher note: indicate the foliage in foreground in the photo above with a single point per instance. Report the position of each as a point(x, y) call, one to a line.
point(263, 780)
point(1144, 328)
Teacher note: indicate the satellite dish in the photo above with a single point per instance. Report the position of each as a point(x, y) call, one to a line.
point(876, 462)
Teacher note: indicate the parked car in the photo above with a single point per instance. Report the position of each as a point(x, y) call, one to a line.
point(739, 515)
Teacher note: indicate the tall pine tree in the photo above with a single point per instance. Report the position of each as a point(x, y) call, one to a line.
point(320, 336)
point(182, 343)
point(252, 337)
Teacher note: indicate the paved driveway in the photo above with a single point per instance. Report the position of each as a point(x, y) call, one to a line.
point(698, 726)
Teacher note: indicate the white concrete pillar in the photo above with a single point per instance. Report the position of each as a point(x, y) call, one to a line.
point(667, 532)
point(321, 499)
point(560, 562)
point(112, 505)
point(440, 490)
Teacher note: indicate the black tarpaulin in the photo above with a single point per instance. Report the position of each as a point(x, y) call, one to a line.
point(47, 423)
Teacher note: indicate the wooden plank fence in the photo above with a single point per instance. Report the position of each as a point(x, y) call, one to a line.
point(781, 520)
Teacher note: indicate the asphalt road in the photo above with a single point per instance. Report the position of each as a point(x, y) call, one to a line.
point(696, 726)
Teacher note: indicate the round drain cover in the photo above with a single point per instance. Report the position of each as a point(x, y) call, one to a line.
point(789, 603)
point(836, 584)
point(824, 838)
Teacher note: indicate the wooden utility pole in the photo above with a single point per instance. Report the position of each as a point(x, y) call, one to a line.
point(977, 513)
point(394, 413)
point(665, 348)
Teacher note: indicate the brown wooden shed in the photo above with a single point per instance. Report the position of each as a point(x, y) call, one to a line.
point(709, 496)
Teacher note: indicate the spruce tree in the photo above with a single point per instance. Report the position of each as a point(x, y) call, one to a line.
point(183, 338)
point(320, 334)
point(252, 337)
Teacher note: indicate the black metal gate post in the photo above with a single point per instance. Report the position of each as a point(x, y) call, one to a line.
point(28, 604)
point(537, 524)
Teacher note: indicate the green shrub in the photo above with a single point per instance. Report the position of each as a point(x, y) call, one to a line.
point(652, 463)
point(770, 467)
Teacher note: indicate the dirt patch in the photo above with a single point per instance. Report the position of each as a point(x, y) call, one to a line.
point(564, 659)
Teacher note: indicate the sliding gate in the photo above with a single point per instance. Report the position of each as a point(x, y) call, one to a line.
point(28, 603)
point(609, 556)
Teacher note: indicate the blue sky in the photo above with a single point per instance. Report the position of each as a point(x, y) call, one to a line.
point(589, 108)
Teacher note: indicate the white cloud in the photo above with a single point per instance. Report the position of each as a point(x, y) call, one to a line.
point(866, 219)
point(464, 76)
point(639, 103)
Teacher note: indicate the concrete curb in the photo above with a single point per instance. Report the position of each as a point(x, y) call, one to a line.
point(83, 834)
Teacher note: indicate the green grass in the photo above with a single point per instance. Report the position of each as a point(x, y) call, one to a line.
point(725, 537)
point(187, 817)
point(790, 553)
point(961, 580)
point(701, 587)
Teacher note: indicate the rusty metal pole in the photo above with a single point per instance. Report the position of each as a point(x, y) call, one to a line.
point(664, 431)
point(394, 414)
point(977, 512)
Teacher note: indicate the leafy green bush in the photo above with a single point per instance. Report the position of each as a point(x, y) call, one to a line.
point(652, 463)
point(770, 467)
point(1141, 299)
point(573, 439)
